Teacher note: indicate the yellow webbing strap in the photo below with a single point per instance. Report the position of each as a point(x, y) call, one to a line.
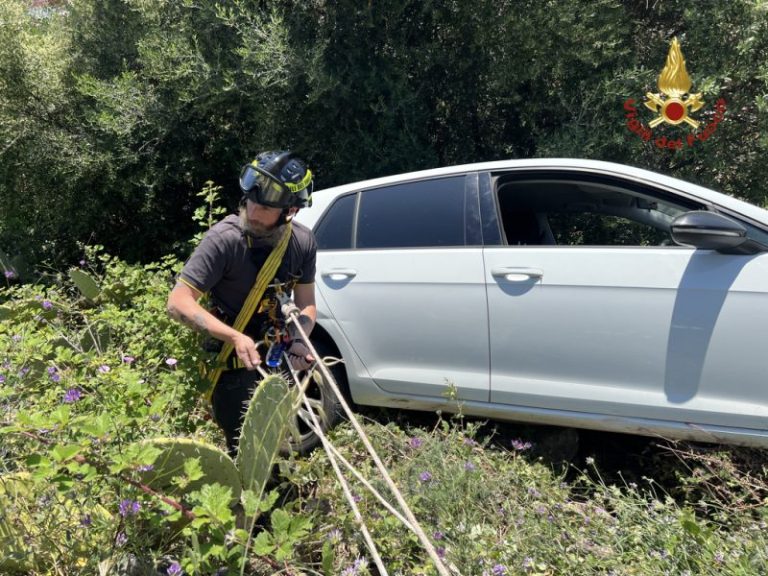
point(265, 276)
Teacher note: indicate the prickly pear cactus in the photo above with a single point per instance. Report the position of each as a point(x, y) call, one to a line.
point(87, 285)
point(266, 422)
point(13, 557)
point(216, 465)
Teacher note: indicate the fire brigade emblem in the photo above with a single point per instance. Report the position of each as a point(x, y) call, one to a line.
point(674, 83)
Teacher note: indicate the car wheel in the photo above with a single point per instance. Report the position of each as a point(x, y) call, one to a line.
point(323, 401)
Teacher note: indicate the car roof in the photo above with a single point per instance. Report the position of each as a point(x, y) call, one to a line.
point(322, 198)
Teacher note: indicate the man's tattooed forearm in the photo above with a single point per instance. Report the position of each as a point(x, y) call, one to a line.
point(197, 322)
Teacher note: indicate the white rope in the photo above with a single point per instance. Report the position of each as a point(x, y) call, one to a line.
point(347, 493)
point(319, 432)
point(291, 312)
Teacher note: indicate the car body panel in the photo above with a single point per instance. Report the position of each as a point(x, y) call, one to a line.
point(376, 292)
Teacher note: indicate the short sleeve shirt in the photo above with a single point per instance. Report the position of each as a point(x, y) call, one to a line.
point(227, 261)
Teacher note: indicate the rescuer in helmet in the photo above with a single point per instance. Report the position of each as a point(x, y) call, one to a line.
point(256, 253)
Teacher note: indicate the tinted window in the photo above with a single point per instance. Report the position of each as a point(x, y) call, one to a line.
point(427, 213)
point(335, 229)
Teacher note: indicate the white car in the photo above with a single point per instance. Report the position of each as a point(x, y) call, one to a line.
point(555, 291)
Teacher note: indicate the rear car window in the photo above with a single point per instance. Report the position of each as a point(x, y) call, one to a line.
point(416, 214)
point(334, 232)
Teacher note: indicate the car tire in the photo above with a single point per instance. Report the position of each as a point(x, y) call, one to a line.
point(326, 405)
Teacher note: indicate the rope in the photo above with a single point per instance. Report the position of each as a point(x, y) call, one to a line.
point(348, 494)
point(291, 312)
point(265, 276)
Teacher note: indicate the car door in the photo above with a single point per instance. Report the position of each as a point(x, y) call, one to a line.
point(409, 292)
point(623, 324)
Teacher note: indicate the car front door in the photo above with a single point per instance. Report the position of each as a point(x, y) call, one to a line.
point(622, 324)
point(409, 295)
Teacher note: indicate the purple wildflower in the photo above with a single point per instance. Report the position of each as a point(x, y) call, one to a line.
point(425, 476)
point(86, 520)
point(23, 372)
point(56, 377)
point(82, 262)
point(47, 304)
point(533, 492)
point(468, 466)
point(2, 378)
point(155, 417)
point(438, 535)
point(171, 361)
point(470, 442)
point(719, 557)
point(10, 274)
point(16, 338)
point(104, 368)
point(128, 359)
point(52, 370)
point(121, 539)
point(72, 395)
point(415, 442)
point(334, 535)
point(174, 569)
point(440, 552)
point(128, 507)
point(520, 446)
point(357, 498)
point(145, 468)
point(541, 510)
point(499, 570)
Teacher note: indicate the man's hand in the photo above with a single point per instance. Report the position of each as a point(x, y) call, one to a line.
point(299, 356)
point(245, 348)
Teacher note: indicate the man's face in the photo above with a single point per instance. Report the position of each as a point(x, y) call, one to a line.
point(262, 218)
point(263, 221)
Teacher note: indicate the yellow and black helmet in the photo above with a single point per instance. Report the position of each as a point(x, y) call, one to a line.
point(277, 179)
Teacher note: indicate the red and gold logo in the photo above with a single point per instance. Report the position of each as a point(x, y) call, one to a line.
point(674, 104)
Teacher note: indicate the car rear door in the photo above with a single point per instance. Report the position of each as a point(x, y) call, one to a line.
point(636, 331)
point(409, 292)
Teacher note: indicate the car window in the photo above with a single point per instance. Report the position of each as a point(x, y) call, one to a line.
point(580, 212)
point(334, 231)
point(415, 214)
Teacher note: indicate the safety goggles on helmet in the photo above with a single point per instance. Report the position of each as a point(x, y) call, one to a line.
point(260, 186)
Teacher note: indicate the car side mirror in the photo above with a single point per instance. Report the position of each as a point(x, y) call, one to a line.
point(708, 231)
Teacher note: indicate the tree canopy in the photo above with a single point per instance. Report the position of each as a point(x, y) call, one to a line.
point(114, 113)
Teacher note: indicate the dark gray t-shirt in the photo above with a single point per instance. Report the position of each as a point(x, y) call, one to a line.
point(225, 267)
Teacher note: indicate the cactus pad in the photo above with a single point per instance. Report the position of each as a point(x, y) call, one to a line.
point(13, 555)
point(216, 465)
point(87, 285)
point(269, 414)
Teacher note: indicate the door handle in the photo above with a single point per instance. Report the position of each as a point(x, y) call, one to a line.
point(339, 273)
point(512, 274)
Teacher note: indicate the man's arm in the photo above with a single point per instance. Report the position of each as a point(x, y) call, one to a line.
point(304, 298)
point(183, 307)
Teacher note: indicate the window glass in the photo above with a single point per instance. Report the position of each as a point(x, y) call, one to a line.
point(334, 232)
point(416, 214)
point(563, 211)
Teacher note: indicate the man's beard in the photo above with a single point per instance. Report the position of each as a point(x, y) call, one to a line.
point(269, 236)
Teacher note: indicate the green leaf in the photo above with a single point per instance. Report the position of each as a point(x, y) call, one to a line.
point(281, 520)
point(61, 453)
point(263, 545)
point(328, 556)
